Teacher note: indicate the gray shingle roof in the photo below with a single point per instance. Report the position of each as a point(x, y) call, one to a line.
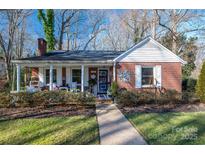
point(79, 55)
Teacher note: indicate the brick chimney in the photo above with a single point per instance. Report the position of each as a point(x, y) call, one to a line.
point(42, 46)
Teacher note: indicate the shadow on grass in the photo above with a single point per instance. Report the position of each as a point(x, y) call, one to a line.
point(77, 130)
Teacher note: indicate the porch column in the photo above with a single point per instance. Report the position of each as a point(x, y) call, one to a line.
point(114, 71)
point(82, 78)
point(18, 77)
point(51, 78)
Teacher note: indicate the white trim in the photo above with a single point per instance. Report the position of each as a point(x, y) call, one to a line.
point(51, 78)
point(41, 76)
point(71, 73)
point(129, 50)
point(82, 77)
point(155, 42)
point(114, 71)
point(18, 67)
point(153, 71)
point(59, 76)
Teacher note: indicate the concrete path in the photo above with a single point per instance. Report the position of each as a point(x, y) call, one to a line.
point(115, 128)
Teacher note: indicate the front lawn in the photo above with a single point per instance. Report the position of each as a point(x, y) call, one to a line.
point(170, 128)
point(54, 130)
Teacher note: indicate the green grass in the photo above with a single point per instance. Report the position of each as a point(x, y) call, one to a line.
point(170, 128)
point(57, 130)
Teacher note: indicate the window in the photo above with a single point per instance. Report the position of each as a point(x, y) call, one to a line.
point(48, 76)
point(147, 76)
point(76, 76)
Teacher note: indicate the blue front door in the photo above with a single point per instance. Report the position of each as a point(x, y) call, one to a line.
point(103, 81)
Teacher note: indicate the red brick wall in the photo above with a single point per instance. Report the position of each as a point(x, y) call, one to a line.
point(171, 75)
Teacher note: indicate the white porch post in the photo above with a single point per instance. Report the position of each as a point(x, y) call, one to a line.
point(114, 71)
point(82, 78)
point(51, 78)
point(18, 77)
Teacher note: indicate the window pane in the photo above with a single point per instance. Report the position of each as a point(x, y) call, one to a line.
point(147, 80)
point(48, 76)
point(147, 76)
point(147, 71)
point(76, 75)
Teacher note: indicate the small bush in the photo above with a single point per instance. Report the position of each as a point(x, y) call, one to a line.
point(5, 99)
point(189, 84)
point(131, 98)
point(127, 98)
point(114, 88)
point(189, 97)
point(25, 99)
point(170, 96)
point(146, 97)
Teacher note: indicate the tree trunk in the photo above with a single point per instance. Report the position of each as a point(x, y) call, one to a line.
point(60, 43)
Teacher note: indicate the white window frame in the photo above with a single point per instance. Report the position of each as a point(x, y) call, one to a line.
point(77, 68)
point(147, 85)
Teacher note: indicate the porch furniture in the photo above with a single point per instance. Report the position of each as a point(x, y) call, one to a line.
point(31, 89)
point(64, 88)
point(74, 87)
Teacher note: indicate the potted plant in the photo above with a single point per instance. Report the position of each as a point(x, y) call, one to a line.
point(92, 83)
point(114, 88)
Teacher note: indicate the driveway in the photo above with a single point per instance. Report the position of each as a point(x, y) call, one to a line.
point(115, 128)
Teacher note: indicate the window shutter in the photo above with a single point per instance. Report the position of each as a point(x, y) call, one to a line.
point(158, 75)
point(138, 76)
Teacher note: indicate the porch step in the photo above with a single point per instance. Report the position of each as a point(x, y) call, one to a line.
point(103, 97)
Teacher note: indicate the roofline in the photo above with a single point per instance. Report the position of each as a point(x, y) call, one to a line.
point(180, 59)
point(130, 49)
point(144, 40)
point(61, 61)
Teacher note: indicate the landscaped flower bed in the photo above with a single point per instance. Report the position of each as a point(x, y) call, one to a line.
point(48, 98)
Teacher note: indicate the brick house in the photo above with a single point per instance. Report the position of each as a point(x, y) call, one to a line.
point(146, 65)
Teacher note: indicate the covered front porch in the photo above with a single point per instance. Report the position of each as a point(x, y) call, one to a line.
point(94, 78)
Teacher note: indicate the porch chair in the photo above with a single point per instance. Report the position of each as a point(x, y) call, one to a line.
point(73, 87)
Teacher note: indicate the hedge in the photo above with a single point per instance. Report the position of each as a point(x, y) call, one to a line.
point(25, 99)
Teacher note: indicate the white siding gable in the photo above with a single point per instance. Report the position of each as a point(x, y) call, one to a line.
point(149, 50)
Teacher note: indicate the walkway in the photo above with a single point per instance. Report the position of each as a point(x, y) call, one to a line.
point(115, 128)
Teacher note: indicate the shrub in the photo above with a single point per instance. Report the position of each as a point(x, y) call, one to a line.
point(146, 97)
point(114, 88)
point(189, 84)
point(5, 99)
point(170, 96)
point(200, 87)
point(127, 98)
point(189, 97)
point(25, 99)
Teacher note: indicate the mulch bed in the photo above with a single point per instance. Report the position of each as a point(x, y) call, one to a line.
point(148, 108)
point(42, 111)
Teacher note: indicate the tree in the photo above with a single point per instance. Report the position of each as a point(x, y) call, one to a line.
point(200, 87)
point(65, 20)
point(96, 21)
point(173, 21)
point(11, 21)
point(187, 50)
point(48, 26)
point(138, 23)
